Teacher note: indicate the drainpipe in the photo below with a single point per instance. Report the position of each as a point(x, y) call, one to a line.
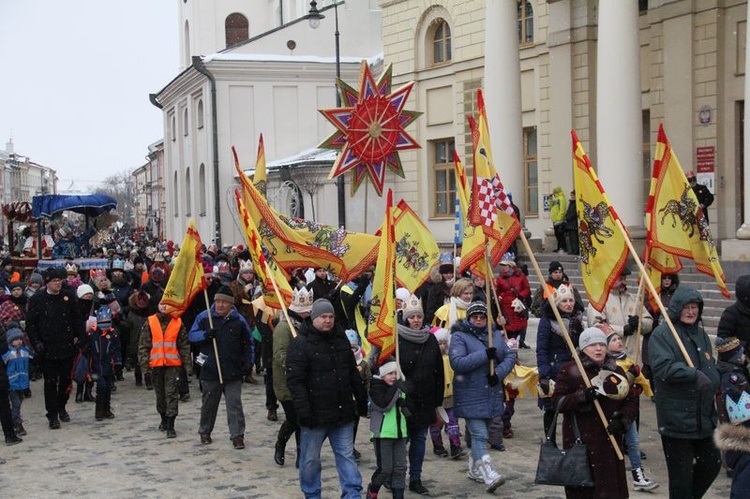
point(201, 68)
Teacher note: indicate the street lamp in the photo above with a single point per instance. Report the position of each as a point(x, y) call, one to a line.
point(313, 17)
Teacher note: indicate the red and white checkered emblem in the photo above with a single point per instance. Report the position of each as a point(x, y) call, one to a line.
point(501, 199)
point(486, 202)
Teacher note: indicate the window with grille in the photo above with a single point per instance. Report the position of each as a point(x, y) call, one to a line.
point(441, 42)
point(531, 174)
point(525, 22)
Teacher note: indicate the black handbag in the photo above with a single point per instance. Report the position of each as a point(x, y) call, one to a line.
point(566, 467)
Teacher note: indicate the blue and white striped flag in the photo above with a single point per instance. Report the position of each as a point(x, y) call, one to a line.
point(458, 225)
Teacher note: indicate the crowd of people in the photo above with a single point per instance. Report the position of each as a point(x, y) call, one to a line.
point(457, 347)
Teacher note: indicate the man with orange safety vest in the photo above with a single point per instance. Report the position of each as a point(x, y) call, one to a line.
point(162, 351)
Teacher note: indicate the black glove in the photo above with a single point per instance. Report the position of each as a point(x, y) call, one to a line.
point(590, 394)
point(544, 385)
point(631, 327)
point(618, 425)
point(491, 353)
point(703, 381)
point(492, 379)
point(211, 334)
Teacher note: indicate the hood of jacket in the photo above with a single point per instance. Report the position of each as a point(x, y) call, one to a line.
point(732, 437)
point(742, 290)
point(682, 297)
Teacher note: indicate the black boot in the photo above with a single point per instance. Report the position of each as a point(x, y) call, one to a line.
point(108, 411)
point(296, 462)
point(87, 397)
point(118, 373)
point(170, 427)
point(79, 393)
point(99, 412)
point(138, 376)
point(164, 424)
point(285, 432)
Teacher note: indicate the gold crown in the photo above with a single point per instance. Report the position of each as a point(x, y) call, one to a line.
point(302, 300)
point(71, 268)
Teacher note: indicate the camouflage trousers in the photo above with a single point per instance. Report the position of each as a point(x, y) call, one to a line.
point(166, 385)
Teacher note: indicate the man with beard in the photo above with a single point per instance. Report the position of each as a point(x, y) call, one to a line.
point(621, 310)
point(54, 329)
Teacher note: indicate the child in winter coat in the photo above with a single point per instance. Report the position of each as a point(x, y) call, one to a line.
point(104, 349)
point(733, 398)
point(616, 349)
point(17, 361)
point(388, 432)
point(447, 419)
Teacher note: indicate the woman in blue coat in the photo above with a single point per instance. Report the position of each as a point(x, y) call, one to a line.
point(477, 393)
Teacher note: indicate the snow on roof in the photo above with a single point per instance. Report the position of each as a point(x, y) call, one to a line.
point(313, 156)
point(290, 58)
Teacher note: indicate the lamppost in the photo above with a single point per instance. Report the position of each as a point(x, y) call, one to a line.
point(314, 16)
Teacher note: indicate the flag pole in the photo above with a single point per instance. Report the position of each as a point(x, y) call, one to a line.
point(650, 285)
point(571, 346)
point(269, 273)
point(639, 311)
point(211, 325)
point(489, 309)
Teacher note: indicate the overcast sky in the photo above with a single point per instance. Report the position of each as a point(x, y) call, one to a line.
point(76, 78)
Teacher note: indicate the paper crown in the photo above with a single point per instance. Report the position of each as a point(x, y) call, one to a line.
point(413, 307)
point(738, 412)
point(71, 268)
point(118, 264)
point(302, 301)
point(104, 315)
point(98, 274)
point(246, 265)
point(562, 292)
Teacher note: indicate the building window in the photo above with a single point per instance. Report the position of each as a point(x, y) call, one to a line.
point(642, 6)
point(200, 114)
point(470, 109)
point(531, 176)
point(185, 128)
point(202, 190)
point(173, 126)
point(525, 22)
point(236, 28)
point(175, 195)
point(441, 42)
point(188, 192)
point(445, 177)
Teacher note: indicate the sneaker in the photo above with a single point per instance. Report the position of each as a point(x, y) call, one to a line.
point(500, 447)
point(13, 440)
point(417, 487)
point(238, 442)
point(440, 451)
point(641, 482)
point(457, 452)
point(492, 479)
point(474, 473)
point(64, 416)
point(206, 439)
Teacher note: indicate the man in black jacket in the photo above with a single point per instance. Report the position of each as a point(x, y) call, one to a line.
point(325, 386)
point(54, 329)
point(705, 198)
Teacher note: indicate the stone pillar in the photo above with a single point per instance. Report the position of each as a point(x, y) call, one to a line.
point(744, 231)
point(502, 94)
point(618, 112)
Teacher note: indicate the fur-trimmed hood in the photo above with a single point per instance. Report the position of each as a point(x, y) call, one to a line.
point(732, 437)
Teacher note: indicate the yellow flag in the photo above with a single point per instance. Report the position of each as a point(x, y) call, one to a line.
point(186, 279)
point(296, 243)
point(265, 269)
point(602, 244)
point(382, 322)
point(260, 177)
point(416, 248)
point(676, 223)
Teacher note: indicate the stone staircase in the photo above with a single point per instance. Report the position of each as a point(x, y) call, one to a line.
point(714, 301)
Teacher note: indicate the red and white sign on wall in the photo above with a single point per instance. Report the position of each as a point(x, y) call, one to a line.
point(705, 166)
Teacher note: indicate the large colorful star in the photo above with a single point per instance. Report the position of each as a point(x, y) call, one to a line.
point(370, 129)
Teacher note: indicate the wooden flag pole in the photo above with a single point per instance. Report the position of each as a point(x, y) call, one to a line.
point(489, 309)
point(216, 347)
point(281, 300)
point(639, 311)
point(570, 344)
point(650, 285)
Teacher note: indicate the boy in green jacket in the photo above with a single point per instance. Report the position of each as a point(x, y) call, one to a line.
point(388, 415)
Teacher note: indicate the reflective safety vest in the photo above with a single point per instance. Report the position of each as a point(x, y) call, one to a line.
point(164, 345)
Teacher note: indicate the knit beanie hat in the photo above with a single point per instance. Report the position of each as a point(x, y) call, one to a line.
point(224, 294)
point(56, 273)
point(476, 308)
point(403, 294)
point(321, 306)
point(83, 289)
point(14, 334)
point(591, 336)
point(443, 334)
point(36, 278)
point(729, 349)
point(553, 266)
point(611, 336)
point(17, 284)
point(387, 368)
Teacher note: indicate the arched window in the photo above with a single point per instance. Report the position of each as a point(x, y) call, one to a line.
point(188, 192)
point(175, 195)
point(185, 122)
point(441, 42)
point(202, 190)
point(200, 113)
point(236, 28)
point(525, 22)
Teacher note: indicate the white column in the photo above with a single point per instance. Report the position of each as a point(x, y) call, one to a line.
point(618, 111)
point(744, 231)
point(502, 94)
